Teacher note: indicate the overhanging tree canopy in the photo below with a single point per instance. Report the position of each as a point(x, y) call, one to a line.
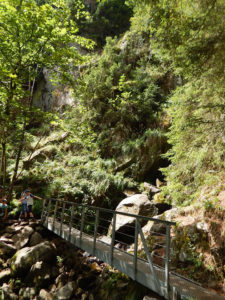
point(32, 37)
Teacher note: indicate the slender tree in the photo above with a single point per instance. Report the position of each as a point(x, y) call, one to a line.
point(32, 37)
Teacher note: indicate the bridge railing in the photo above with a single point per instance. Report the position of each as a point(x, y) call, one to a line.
point(150, 243)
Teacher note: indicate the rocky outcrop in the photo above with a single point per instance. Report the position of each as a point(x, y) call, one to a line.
point(7, 293)
point(5, 275)
point(47, 96)
point(150, 189)
point(6, 250)
point(35, 239)
point(41, 273)
point(138, 204)
point(21, 238)
point(65, 292)
point(23, 260)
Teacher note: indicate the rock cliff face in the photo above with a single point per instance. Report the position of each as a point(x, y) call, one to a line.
point(48, 97)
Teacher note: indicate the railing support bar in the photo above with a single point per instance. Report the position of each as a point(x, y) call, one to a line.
point(135, 248)
point(157, 284)
point(95, 230)
point(113, 238)
point(167, 261)
point(48, 210)
point(81, 225)
point(62, 215)
point(43, 211)
point(71, 222)
point(175, 294)
point(54, 217)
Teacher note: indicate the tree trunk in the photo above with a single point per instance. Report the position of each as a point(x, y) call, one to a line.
point(20, 149)
point(4, 169)
point(3, 165)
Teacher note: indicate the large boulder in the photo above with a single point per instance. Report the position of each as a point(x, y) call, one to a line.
point(23, 259)
point(151, 189)
point(35, 239)
point(41, 274)
point(14, 228)
point(7, 293)
point(138, 204)
point(6, 250)
point(5, 275)
point(65, 292)
point(21, 238)
point(44, 295)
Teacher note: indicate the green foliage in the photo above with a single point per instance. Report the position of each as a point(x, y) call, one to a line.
point(37, 208)
point(124, 94)
point(114, 277)
point(111, 18)
point(189, 36)
point(197, 136)
point(31, 38)
point(74, 169)
point(59, 260)
point(210, 205)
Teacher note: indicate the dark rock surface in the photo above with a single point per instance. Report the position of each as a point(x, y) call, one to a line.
point(138, 204)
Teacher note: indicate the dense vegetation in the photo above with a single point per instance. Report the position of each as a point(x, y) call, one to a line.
point(190, 36)
point(99, 97)
point(152, 98)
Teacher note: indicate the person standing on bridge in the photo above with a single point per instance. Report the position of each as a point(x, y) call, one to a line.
point(3, 204)
point(27, 203)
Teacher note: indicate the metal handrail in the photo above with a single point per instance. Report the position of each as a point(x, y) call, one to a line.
point(118, 212)
point(137, 230)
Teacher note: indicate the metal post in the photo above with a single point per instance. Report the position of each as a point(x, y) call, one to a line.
point(135, 248)
point(113, 237)
point(43, 211)
point(54, 217)
point(71, 221)
point(48, 210)
point(95, 230)
point(156, 280)
point(82, 224)
point(175, 294)
point(62, 215)
point(167, 261)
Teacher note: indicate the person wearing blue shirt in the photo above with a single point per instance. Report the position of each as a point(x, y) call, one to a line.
point(27, 201)
point(3, 205)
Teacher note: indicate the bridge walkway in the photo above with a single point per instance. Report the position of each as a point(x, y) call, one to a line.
point(69, 221)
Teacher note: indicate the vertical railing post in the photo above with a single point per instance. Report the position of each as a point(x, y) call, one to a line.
point(167, 261)
point(48, 210)
point(71, 222)
point(95, 230)
point(43, 211)
point(82, 224)
point(149, 259)
point(113, 238)
point(54, 217)
point(62, 216)
point(135, 248)
point(175, 294)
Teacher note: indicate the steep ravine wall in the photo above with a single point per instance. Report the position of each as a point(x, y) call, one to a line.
point(49, 97)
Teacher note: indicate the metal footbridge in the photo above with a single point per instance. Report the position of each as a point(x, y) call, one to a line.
point(145, 260)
